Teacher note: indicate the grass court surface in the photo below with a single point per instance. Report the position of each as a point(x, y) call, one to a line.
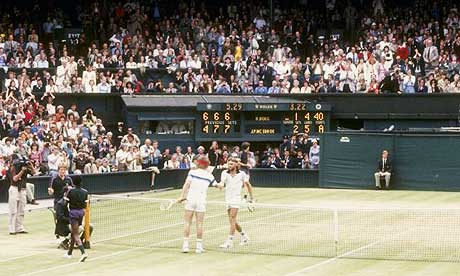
point(377, 233)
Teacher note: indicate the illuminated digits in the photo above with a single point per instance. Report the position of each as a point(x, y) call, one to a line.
point(319, 116)
point(296, 129)
point(321, 128)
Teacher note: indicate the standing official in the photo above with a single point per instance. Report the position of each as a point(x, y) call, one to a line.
point(17, 200)
point(59, 183)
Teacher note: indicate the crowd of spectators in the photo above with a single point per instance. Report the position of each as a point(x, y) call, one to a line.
point(331, 47)
point(82, 143)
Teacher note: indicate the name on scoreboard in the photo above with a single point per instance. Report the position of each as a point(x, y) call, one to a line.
point(270, 120)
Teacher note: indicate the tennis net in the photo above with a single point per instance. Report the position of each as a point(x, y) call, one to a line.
point(287, 230)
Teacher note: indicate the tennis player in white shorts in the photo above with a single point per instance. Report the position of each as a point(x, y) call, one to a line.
point(234, 180)
point(195, 190)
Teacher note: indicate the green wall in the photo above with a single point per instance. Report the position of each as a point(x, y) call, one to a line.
point(420, 162)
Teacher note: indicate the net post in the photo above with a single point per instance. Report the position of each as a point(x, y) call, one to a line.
point(87, 229)
point(335, 222)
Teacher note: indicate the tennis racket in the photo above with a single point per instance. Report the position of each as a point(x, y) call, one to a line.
point(249, 203)
point(167, 205)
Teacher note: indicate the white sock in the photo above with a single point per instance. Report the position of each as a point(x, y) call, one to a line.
point(230, 237)
point(242, 234)
point(186, 241)
point(199, 241)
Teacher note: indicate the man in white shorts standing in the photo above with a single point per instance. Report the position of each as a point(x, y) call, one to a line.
point(195, 190)
point(233, 180)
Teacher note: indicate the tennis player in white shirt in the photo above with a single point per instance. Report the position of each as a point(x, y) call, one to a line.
point(234, 180)
point(195, 191)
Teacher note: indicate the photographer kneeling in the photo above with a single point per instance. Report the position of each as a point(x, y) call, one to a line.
point(17, 175)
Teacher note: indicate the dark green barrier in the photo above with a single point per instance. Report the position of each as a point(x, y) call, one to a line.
point(293, 178)
point(420, 162)
point(428, 162)
point(140, 181)
point(117, 182)
point(259, 178)
point(349, 160)
point(170, 178)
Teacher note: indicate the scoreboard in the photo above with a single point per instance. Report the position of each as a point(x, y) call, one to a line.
point(259, 122)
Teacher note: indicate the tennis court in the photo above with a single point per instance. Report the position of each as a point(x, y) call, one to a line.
point(292, 232)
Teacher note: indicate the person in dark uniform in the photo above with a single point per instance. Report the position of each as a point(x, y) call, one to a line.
point(293, 144)
point(118, 134)
point(384, 169)
point(213, 156)
point(304, 143)
point(285, 145)
point(246, 160)
point(77, 198)
point(62, 228)
point(59, 183)
point(297, 160)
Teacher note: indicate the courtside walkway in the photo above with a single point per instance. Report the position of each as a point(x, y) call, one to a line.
point(45, 203)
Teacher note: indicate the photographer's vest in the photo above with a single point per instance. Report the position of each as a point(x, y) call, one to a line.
point(21, 184)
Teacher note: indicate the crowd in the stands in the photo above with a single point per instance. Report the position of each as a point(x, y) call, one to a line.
point(305, 47)
point(51, 136)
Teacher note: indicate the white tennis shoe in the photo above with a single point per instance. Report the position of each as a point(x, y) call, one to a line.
point(227, 244)
point(199, 248)
point(83, 257)
point(244, 240)
point(185, 248)
point(67, 256)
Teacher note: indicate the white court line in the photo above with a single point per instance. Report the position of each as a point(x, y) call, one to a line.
point(147, 247)
point(308, 268)
point(118, 237)
point(26, 256)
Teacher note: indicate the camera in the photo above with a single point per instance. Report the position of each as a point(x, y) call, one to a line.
point(21, 162)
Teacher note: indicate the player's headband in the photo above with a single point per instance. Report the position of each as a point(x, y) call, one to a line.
point(203, 162)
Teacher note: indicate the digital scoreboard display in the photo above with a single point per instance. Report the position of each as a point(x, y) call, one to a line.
point(260, 122)
point(220, 122)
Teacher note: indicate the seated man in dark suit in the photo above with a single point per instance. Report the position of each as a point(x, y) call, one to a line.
point(384, 169)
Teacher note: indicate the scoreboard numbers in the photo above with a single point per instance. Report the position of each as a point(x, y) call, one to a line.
point(320, 128)
point(305, 122)
point(260, 121)
point(319, 116)
point(295, 129)
point(234, 106)
point(297, 106)
point(218, 122)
